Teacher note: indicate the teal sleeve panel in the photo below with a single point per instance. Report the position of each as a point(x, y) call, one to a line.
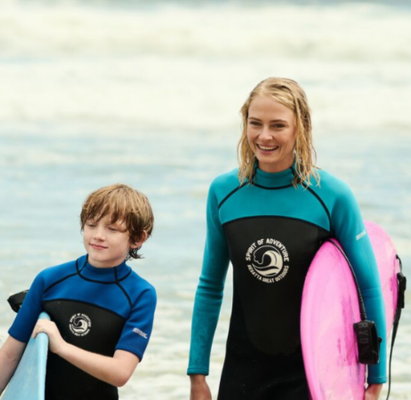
point(348, 228)
point(210, 289)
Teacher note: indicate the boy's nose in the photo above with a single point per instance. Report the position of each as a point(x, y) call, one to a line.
point(99, 234)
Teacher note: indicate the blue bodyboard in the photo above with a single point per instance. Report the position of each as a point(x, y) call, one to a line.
point(29, 379)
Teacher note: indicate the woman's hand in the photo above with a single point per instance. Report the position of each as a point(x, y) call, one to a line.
point(199, 388)
point(56, 342)
point(373, 391)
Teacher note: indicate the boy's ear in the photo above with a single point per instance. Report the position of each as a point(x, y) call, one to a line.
point(140, 242)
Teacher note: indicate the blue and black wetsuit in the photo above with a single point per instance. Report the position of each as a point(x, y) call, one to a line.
point(270, 232)
point(97, 309)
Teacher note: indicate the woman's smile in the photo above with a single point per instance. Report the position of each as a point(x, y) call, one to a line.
point(266, 148)
point(271, 133)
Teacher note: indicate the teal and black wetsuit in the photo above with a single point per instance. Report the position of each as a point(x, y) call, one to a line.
point(270, 232)
point(97, 309)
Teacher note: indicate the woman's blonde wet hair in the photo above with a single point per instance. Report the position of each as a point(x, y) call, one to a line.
point(290, 94)
point(122, 203)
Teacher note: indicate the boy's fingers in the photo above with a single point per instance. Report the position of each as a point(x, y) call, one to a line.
point(37, 328)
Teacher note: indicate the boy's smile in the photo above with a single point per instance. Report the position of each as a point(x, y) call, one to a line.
point(97, 247)
point(107, 243)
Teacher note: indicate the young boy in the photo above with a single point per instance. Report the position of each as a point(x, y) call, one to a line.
point(101, 311)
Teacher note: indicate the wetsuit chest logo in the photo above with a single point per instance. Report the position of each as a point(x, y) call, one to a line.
point(267, 260)
point(80, 324)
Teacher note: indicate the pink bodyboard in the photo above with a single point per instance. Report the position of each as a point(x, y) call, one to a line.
point(328, 311)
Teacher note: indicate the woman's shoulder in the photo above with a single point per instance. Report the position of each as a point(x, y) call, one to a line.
point(333, 190)
point(229, 178)
point(329, 181)
point(225, 183)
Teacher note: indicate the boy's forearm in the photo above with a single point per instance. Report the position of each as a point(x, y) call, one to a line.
point(7, 368)
point(10, 355)
point(114, 370)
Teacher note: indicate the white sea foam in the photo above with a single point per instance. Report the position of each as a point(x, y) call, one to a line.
point(181, 67)
point(361, 31)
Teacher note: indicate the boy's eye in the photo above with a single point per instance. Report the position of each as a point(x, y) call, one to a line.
point(111, 228)
point(91, 224)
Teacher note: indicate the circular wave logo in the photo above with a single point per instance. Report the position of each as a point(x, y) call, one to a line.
point(267, 260)
point(80, 324)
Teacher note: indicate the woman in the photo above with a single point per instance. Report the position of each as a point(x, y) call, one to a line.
point(268, 218)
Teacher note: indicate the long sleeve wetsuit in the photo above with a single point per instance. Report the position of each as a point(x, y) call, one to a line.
point(270, 231)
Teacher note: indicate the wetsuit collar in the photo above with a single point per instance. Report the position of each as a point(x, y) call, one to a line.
point(87, 271)
point(274, 179)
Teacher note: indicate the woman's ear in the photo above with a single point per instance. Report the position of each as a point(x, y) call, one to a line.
point(141, 240)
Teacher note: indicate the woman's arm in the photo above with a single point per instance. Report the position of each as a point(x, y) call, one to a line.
point(115, 370)
point(10, 355)
point(209, 294)
point(350, 231)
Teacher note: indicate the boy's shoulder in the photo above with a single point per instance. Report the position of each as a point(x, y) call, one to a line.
point(59, 270)
point(140, 280)
point(140, 285)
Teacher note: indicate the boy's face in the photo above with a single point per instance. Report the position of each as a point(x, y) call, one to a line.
point(107, 244)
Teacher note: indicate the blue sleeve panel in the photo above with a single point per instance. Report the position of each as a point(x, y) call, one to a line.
point(331, 207)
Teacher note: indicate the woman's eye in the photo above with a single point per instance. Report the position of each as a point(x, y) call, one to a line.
point(254, 123)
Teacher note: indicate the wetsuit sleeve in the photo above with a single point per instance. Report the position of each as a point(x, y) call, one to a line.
point(138, 327)
point(350, 231)
point(209, 294)
point(29, 312)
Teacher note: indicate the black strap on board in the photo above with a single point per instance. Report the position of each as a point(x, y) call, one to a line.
point(363, 312)
point(402, 286)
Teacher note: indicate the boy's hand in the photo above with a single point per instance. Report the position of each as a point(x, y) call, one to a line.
point(115, 370)
point(55, 340)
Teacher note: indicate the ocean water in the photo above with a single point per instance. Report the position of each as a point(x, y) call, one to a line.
point(148, 93)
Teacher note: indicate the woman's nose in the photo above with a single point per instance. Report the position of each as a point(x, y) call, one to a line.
point(266, 133)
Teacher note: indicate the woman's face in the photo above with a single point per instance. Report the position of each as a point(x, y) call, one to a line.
point(271, 133)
